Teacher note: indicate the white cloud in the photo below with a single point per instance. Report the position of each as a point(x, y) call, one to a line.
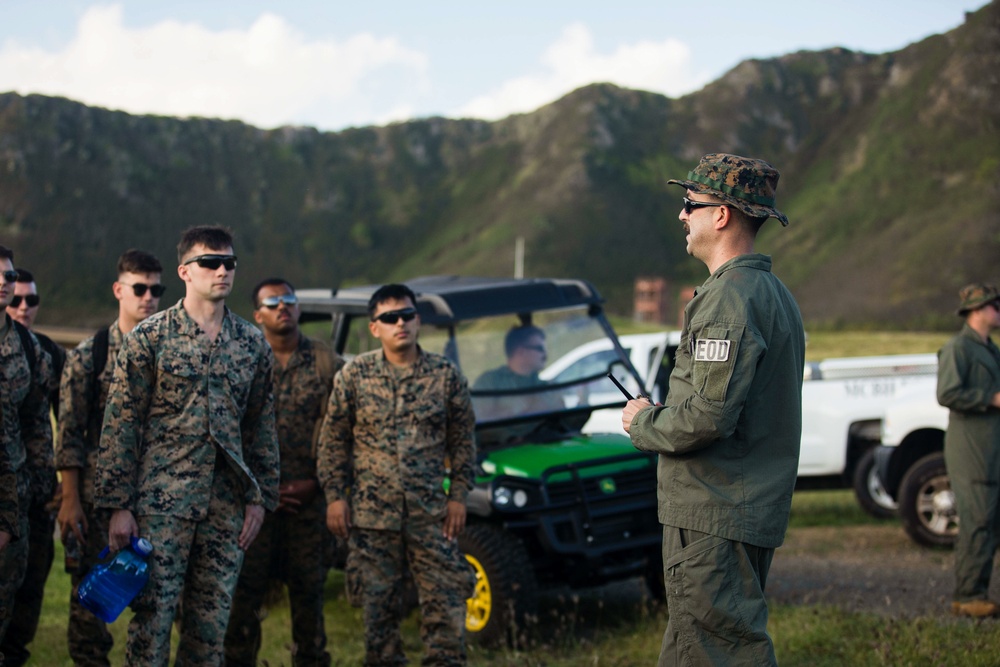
point(573, 61)
point(268, 74)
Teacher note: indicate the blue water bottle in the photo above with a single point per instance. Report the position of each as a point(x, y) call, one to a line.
point(109, 587)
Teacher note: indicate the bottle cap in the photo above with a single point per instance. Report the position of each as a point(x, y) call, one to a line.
point(141, 546)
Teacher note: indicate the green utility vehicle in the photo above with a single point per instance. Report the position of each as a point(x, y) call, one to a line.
point(552, 507)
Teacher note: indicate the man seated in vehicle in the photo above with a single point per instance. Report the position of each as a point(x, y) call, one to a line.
point(524, 346)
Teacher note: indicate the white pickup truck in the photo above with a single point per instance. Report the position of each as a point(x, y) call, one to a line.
point(910, 464)
point(843, 401)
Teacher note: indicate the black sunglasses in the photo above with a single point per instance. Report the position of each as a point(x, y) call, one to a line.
point(213, 262)
point(139, 289)
point(273, 302)
point(690, 205)
point(31, 299)
point(10, 276)
point(536, 348)
point(394, 316)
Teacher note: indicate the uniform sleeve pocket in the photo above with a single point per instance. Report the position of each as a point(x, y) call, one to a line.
point(713, 358)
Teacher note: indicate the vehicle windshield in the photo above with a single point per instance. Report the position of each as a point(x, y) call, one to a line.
point(556, 364)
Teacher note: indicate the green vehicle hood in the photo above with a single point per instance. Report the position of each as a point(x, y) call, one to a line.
point(531, 460)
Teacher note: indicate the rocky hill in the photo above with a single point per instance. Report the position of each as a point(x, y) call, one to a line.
point(890, 174)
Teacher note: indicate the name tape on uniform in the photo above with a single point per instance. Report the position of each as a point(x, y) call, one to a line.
point(709, 349)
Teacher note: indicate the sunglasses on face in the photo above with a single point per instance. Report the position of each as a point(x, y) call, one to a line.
point(10, 276)
point(536, 348)
point(690, 205)
point(139, 289)
point(393, 316)
point(273, 302)
point(213, 262)
point(31, 299)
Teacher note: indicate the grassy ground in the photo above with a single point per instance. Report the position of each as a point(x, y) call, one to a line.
point(622, 629)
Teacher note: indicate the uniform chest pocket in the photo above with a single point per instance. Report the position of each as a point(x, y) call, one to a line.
point(178, 372)
point(239, 377)
point(429, 420)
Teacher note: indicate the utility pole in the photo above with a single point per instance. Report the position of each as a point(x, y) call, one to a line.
point(519, 257)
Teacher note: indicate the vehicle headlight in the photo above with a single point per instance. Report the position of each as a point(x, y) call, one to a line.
point(510, 497)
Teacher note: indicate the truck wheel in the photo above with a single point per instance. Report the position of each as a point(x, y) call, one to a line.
point(927, 503)
point(506, 591)
point(868, 489)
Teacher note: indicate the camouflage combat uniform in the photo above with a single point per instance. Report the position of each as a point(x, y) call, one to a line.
point(388, 434)
point(81, 413)
point(41, 546)
point(188, 441)
point(27, 440)
point(291, 546)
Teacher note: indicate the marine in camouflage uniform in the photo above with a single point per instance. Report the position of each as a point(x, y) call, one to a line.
point(85, 384)
point(397, 418)
point(728, 436)
point(41, 516)
point(188, 456)
point(969, 386)
point(293, 540)
point(27, 444)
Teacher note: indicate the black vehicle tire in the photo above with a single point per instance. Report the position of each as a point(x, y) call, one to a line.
point(868, 489)
point(927, 504)
point(506, 592)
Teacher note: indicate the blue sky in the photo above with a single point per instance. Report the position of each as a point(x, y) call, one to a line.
point(333, 64)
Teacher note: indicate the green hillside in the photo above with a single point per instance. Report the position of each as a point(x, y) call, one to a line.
point(890, 163)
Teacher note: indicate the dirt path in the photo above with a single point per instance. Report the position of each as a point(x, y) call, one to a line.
point(864, 568)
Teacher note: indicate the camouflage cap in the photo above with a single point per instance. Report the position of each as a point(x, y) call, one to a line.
point(743, 182)
point(976, 296)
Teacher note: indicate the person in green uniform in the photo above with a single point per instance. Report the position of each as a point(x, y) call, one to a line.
point(728, 436)
point(969, 386)
point(524, 346)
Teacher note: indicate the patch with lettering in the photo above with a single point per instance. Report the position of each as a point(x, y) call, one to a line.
point(709, 349)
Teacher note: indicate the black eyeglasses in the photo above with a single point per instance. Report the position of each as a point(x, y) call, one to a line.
point(273, 302)
point(10, 276)
point(690, 205)
point(31, 299)
point(139, 289)
point(213, 262)
point(536, 348)
point(393, 316)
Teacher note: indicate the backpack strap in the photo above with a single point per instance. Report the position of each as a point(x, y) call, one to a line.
point(102, 340)
point(27, 344)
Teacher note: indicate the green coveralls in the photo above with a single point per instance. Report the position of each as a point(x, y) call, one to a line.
point(728, 444)
point(968, 376)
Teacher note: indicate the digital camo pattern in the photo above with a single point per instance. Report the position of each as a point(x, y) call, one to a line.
point(24, 403)
point(81, 409)
point(81, 412)
point(26, 468)
point(399, 431)
point(193, 568)
point(290, 546)
point(176, 400)
point(88, 636)
point(749, 184)
point(444, 580)
point(301, 392)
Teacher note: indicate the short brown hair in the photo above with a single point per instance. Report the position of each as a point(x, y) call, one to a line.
point(212, 237)
point(134, 260)
point(6, 253)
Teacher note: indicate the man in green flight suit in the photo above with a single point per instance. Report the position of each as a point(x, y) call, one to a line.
point(728, 436)
point(969, 386)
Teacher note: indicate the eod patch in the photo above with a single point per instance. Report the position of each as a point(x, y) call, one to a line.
point(711, 349)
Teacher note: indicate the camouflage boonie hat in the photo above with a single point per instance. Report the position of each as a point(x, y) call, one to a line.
point(743, 182)
point(975, 296)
